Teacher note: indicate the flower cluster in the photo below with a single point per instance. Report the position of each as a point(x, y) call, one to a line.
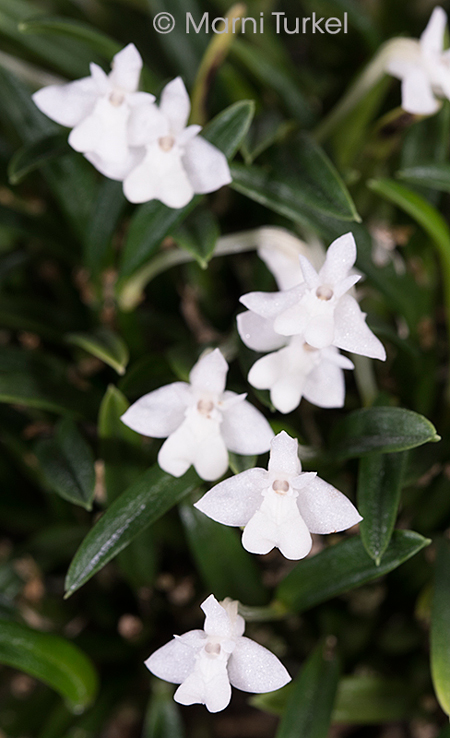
point(423, 67)
point(303, 327)
point(128, 137)
point(279, 507)
point(207, 663)
point(202, 421)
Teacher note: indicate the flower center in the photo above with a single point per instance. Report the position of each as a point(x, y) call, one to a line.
point(308, 347)
point(213, 649)
point(166, 143)
point(280, 486)
point(324, 293)
point(116, 98)
point(205, 407)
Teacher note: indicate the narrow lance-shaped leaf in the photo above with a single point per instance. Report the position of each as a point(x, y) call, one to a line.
point(153, 220)
point(310, 702)
point(342, 567)
point(379, 487)
point(440, 627)
point(68, 464)
point(163, 719)
point(199, 236)
point(105, 345)
point(52, 659)
point(142, 504)
point(105, 215)
point(381, 429)
point(434, 175)
point(212, 544)
point(34, 155)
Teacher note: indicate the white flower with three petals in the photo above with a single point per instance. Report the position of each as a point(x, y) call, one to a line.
point(319, 309)
point(201, 420)
point(178, 163)
point(423, 67)
point(279, 507)
point(207, 663)
point(98, 109)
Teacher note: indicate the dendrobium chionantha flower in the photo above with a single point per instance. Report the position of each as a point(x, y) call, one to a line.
point(127, 137)
point(201, 420)
point(423, 67)
point(305, 325)
point(207, 663)
point(279, 507)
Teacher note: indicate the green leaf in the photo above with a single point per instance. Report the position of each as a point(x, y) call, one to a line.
point(34, 155)
point(153, 221)
point(211, 544)
point(381, 429)
point(198, 235)
point(310, 702)
point(104, 218)
point(301, 179)
point(379, 486)
point(120, 447)
point(342, 567)
point(154, 493)
point(163, 719)
point(68, 464)
point(54, 26)
point(105, 345)
point(52, 659)
point(440, 627)
point(361, 699)
point(436, 176)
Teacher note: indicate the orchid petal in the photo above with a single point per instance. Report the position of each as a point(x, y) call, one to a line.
point(207, 686)
point(309, 273)
point(209, 374)
point(341, 256)
point(267, 529)
point(126, 69)
point(217, 622)
point(432, 38)
point(319, 332)
point(176, 660)
point(352, 333)
point(160, 176)
point(417, 93)
point(325, 385)
point(292, 321)
point(234, 501)
point(252, 668)
point(271, 304)
point(325, 509)
point(146, 125)
point(206, 166)
point(161, 412)
point(245, 430)
point(67, 104)
point(175, 105)
point(257, 333)
point(117, 170)
point(283, 458)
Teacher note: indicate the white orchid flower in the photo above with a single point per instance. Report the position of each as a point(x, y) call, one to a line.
point(297, 371)
point(423, 67)
point(201, 421)
point(207, 663)
point(318, 309)
point(98, 109)
point(279, 507)
point(177, 163)
point(279, 249)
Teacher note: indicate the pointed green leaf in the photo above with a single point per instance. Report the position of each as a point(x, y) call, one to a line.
point(440, 627)
point(52, 659)
point(342, 567)
point(379, 486)
point(68, 464)
point(154, 493)
point(301, 181)
point(198, 235)
point(436, 176)
point(211, 544)
point(105, 345)
point(311, 698)
point(153, 220)
point(382, 429)
point(34, 155)
point(55, 26)
point(105, 215)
